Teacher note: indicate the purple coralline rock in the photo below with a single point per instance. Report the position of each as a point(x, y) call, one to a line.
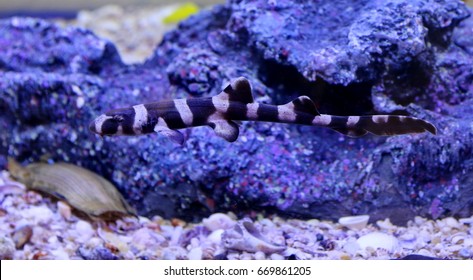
point(351, 57)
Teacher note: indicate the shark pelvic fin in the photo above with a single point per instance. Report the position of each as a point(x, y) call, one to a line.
point(238, 90)
point(228, 130)
point(172, 134)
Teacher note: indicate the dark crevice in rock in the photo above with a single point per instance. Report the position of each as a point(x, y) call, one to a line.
point(409, 84)
point(285, 78)
point(353, 99)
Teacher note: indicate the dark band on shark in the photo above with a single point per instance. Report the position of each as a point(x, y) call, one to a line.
point(235, 103)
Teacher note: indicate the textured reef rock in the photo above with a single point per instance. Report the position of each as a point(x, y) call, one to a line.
point(352, 57)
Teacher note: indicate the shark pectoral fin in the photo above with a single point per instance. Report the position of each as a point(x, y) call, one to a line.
point(302, 104)
point(238, 90)
point(228, 130)
point(174, 135)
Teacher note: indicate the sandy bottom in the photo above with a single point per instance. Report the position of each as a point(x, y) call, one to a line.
point(33, 226)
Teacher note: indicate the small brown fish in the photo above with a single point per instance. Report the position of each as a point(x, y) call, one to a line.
point(81, 188)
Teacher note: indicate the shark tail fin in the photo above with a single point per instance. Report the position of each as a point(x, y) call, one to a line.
point(382, 125)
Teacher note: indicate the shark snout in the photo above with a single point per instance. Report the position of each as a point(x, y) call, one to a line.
point(100, 124)
point(92, 127)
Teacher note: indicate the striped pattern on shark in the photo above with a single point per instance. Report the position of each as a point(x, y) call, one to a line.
point(235, 103)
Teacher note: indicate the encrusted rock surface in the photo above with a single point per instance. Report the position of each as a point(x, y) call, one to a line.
point(352, 57)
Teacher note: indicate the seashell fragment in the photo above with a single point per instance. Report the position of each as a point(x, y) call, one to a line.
point(425, 252)
point(218, 221)
point(114, 241)
point(195, 254)
point(216, 236)
point(452, 222)
point(96, 253)
point(64, 210)
point(174, 253)
point(38, 214)
point(60, 254)
point(79, 187)
point(246, 256)
point(409, 240)
point(83, 231)
point(378, 240)
point(15, 189)
point(354, 222)
point(275, 256)
point(386, 224)
point(244, 236)
point(7, 248)
point(145, 238)
point(466, 220)
point(22, 235)
point(464, 253)
point(260, 256)
point(351, 247)
point(458, 239)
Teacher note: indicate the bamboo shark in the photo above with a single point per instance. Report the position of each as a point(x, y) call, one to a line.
point(235, 103)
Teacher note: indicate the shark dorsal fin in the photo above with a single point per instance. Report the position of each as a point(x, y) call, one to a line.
point(302, 104)
point(239, 90)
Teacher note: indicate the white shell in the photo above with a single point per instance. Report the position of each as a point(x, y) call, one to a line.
point(354, 222)
point(466, 220)
point(260, 256)
point(452, 222)
point(351, 247)
point(378, 240)
point(275, 256)
point(60, 254)
point(145, 238)
point(174, 253)
point(244, 236)
point(7, 248)
point(83, 231)
point(38, 214)
point(218, 221)
point(195, 254)
point(215, 237)
point(65, 210)
point(386, 224)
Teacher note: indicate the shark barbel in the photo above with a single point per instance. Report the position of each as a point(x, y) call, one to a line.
point(235, 103)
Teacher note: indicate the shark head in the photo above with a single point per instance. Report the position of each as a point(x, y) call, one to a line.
point(114, 122)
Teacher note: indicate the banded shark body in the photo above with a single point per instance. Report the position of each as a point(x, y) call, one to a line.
point(235, 103)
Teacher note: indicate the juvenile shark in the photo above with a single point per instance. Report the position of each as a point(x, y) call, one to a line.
point(235, 103)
